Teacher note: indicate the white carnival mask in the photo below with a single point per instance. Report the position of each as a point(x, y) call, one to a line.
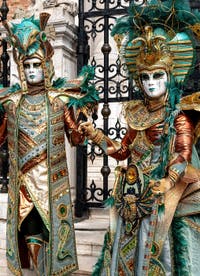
point(33, 70)
point(154, 82)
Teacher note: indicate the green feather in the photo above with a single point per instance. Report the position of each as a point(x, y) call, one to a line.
point(91, 95)
point(122, 25)
point(59, 83)
point(161, 210)
point(171, 14)
point(171, 112)
point(180, 240)
point(14, 88)
point(109, 202)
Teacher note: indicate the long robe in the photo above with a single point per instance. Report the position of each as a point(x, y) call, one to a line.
point(35, 125)
point(152, 235)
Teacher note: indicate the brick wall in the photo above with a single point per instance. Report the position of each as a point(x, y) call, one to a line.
point(17, 4)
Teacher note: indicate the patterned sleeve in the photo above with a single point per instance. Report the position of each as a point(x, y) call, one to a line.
point(119, 151)
point(183, 147)
point(71, 127)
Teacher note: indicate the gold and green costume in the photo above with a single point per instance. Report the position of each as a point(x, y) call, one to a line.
point(36, 125)
point(155, 231)
point(137, 233)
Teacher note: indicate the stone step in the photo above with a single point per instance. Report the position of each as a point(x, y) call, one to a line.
point(89, 240)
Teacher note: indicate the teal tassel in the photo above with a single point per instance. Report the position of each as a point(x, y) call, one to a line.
point(109, 202)
point(161, 210)
point(100, 263)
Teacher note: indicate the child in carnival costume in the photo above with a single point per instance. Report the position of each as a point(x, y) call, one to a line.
point(155, 203)
point(36, 114)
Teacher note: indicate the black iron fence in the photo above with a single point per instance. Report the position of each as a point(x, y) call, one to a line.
point(95, 46)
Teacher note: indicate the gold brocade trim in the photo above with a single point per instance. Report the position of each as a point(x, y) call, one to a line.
point(14, 97)
point(141, 151)
point(98, 136)
point(15, 271)
point(58, 140)
point(193, 224)
point(57, 175)
point(26, 140)
point(57, 119)
point(66, 269)
point(135, 110)
point(60, 190)
point(33, 162)
point(149, 169)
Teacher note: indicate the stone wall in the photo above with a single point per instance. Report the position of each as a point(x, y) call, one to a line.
point(17, 6)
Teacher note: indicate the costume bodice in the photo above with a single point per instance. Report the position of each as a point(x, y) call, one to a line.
point(32, 128)
point(146, 147)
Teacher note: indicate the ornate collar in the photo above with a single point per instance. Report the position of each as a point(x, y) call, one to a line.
point(139, 117)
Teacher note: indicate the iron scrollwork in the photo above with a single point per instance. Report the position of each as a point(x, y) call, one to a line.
point(96, 20)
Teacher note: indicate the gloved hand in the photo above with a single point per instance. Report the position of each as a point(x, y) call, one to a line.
point(87, 129)
point(160, 187)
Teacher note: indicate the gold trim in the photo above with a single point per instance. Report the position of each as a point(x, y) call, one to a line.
point(193, 224)
point(131, 55)
point(14, 270)
point(179, 42)
point(132, 47)
point(181, 50)
point(131, 63)
point(179, 73)
point(33, 162)
point(183, 57)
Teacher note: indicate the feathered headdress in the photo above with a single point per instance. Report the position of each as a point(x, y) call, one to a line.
point(29, 39)
point(158, 32)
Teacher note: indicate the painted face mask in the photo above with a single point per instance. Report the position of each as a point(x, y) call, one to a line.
point(154, 82)
point(33, 70)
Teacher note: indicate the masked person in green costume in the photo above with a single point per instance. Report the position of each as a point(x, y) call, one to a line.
point(36, 115)
point(155, 203)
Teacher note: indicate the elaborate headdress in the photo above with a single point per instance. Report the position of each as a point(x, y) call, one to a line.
point(158, 33)
point(29, 39)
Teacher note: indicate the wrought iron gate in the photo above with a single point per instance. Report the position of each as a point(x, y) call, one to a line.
point(96, 19)
point(96, 47)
